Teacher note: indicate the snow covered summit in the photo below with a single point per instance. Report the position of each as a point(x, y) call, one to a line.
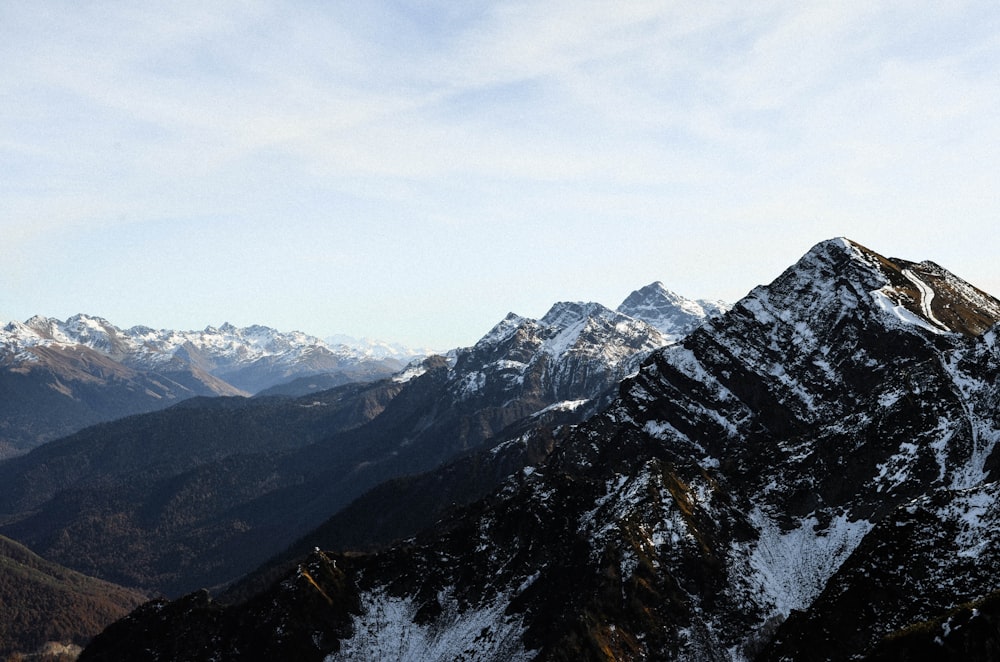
point(675, 316)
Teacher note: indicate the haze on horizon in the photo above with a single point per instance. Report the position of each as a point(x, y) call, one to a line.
point(414, 171)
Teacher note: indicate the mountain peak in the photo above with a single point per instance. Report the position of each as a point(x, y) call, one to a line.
point(42, 326)
point(502, 330)
point(923, 294)
point(672, 314)
point(567, 313)
point(656, 288)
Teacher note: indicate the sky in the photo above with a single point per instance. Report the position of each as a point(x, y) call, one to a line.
point(412, 171)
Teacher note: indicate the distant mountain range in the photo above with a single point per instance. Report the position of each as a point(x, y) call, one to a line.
point(378, 349)
point(57, 377)
point(809, 476)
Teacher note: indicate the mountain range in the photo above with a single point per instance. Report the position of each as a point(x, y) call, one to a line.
point(57, 377)
point(202, 492)
point(810, 475)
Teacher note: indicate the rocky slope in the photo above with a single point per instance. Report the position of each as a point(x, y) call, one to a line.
point(574, 350)
point(750, 494)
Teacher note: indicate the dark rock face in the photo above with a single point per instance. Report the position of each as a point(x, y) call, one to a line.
point(806, 477)
point(304, 620)
point(917, 573)
point(970, 631)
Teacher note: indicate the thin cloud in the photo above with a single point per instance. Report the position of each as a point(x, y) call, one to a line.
point(654, 119)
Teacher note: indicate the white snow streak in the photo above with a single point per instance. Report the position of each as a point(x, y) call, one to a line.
point(562, 405)
point(926, 297)
point(901, 313)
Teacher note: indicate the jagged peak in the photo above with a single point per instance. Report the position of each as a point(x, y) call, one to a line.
point(655, 296)
point(140, 330)
point(670, 313)
point(566, 313)
point(502, 329)
point(40, 323)
point(84, 318)
point(654, 289)
point(15, 326)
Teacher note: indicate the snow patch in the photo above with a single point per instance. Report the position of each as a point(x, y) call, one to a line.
point(663, 431)
point(410, 372)
point(975, 513)
point(896, 469)
point(787, 570)
point(564, 405)
point(386, 631)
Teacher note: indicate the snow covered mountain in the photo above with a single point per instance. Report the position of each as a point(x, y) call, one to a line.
point(574, 353)
point(378, 349)
point(60, 376)
point(577, 351)
point(673, 315)
point(249, 358)
point(809, 476)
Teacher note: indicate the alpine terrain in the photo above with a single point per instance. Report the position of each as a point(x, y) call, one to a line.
point(57, 377)
point(808, 476)
point(203, 492)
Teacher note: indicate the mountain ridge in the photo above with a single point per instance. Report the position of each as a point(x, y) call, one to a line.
point(226, 351)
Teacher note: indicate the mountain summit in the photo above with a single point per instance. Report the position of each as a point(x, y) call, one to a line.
point(673, 315)
point(775, 486)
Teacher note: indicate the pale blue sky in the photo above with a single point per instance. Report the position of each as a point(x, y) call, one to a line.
point(414, 171)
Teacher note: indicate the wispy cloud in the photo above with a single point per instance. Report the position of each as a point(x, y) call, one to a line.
point(706, 123)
